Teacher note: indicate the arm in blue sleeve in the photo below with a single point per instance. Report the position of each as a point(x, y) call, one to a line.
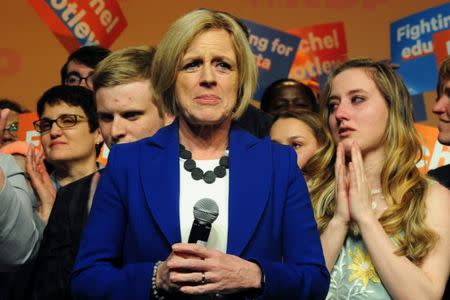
point(99, 272)
point(303, 273)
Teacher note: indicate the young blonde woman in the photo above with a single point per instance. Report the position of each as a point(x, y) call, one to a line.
point(384, 226)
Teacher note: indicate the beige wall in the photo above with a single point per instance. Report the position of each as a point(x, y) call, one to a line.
point(37, 55)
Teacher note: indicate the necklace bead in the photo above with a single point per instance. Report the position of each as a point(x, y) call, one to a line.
point(220, 171)
point(189, 165)
point(197, 174)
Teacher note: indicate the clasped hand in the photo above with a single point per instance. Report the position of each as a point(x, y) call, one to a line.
point(195, 269)
point(353, 198)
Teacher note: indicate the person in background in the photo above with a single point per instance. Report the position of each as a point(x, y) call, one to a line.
point(19, 233)
point(134, 244)
point(12, 123)
point(128, 111)
point(286, 95)
point(303, 130)
point(20, 226)
point(70, 139)
point(384, 226)
point(127, 107)
point(442, 110)
point(80, 65)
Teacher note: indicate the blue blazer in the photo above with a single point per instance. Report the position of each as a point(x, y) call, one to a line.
point(135, 219)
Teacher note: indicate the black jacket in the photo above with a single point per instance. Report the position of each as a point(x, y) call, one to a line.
point(60, 243)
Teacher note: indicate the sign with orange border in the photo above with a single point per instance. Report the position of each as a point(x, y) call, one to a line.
point(82, 22)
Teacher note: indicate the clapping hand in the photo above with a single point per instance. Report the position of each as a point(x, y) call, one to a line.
point(41, 182)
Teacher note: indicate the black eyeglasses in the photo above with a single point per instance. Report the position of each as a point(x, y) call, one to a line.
point(76, 79)
point(63, 121)
point(12, 128)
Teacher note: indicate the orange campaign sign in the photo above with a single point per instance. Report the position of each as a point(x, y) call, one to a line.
point(434, 153)
point(26, 131)
point(322, 48)
point(82, 22)
point(441, 43)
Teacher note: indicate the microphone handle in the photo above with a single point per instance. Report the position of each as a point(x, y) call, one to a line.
point(199, 233)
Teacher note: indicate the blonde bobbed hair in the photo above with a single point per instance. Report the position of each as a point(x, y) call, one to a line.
point(182, 32)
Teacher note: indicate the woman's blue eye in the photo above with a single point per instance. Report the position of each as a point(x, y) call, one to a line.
point(224, 65)
point(357, 99)
point(332, 107)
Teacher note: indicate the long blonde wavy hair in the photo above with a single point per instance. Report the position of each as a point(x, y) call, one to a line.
point(404, 188)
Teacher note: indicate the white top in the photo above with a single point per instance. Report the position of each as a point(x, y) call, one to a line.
point(193, 190)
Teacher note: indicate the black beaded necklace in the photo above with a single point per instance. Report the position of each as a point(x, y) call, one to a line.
point(197, 173)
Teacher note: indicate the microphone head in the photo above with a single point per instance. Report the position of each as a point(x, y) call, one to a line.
point(206, 210)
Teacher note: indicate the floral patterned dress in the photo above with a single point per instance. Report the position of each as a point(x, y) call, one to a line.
point(354, 276)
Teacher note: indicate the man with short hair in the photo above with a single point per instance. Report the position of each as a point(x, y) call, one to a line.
point(80, 66)
point(442, 110)
point(127, 112)
point(126, 107)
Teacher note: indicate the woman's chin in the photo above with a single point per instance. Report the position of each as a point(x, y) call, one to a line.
point(207, 120)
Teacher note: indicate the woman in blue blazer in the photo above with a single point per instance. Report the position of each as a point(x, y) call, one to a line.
point(264, 242)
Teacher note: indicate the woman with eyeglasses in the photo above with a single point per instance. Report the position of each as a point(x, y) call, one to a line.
point(69, 136)
point(10, 131)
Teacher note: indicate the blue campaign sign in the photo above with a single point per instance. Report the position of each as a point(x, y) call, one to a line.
point(274, 52)
point(412, 47)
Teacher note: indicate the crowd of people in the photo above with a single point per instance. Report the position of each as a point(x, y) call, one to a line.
point(315, 196)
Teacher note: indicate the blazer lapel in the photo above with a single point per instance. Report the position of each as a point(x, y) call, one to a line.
point(250, 177)
point(160, 178)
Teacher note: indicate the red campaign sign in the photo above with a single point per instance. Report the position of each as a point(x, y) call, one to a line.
point(83, 22)
point(322, 48)
point(441, 44)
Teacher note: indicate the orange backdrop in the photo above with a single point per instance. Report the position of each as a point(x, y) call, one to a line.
point(31, 56)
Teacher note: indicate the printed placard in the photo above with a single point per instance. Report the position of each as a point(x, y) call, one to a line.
point(82, 22)
point(274, 52)
point(434, 153)
point(323, 47)
point(412, 47)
